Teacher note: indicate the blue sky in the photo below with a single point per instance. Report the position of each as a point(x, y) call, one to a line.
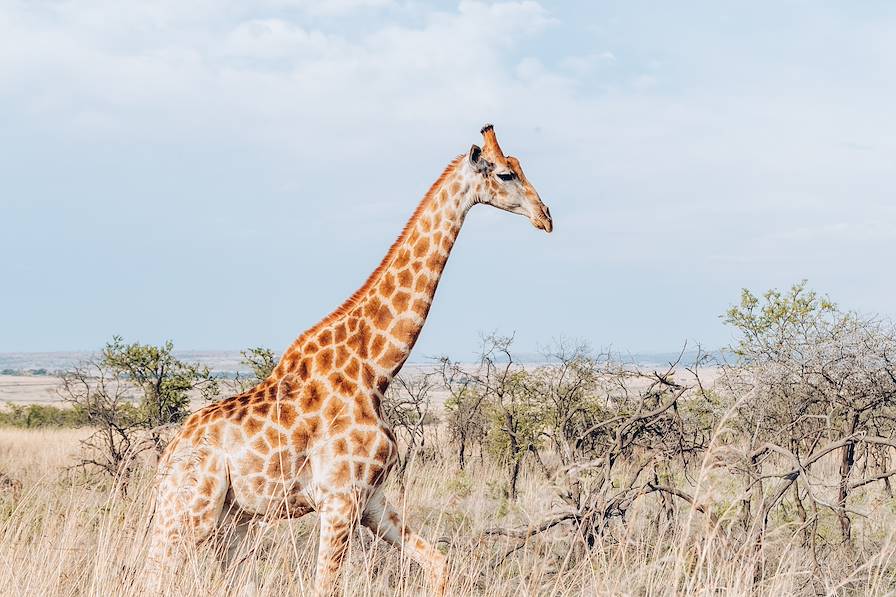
point(223, 173)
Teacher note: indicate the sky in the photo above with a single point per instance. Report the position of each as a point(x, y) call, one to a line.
point(223, 173)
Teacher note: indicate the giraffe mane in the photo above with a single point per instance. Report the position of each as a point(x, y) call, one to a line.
point(352, 301)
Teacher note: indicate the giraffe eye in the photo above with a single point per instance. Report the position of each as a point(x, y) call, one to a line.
point(506, 176)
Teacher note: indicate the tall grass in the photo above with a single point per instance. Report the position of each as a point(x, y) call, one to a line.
point(64, 534)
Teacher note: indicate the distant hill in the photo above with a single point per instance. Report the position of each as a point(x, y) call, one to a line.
point(227, 362)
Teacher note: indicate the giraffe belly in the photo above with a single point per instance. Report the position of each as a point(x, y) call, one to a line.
point(271, 485)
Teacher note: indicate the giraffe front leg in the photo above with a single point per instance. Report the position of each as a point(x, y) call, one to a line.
point(384, 521)
point(338, 515)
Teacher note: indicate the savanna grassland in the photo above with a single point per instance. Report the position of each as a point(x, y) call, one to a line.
point(61, 534)
point(764, 471)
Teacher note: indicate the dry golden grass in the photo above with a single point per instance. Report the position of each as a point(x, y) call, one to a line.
point(62, 533)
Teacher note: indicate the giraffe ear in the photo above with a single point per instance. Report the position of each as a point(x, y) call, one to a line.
point(479, 163)
point(475, 153)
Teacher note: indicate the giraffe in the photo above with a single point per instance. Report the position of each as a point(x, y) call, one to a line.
point(312, 436)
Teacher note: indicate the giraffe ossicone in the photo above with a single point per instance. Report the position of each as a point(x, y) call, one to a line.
point(312, 436)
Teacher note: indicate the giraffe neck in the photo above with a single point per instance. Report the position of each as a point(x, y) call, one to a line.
point(381, 322)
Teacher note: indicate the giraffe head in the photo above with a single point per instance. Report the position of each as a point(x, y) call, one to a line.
point(505, 186)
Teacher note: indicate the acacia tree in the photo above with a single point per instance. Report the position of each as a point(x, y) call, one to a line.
point(810, 380)
point(407, 406)
point(130, 393)
point(512, 412)
point(260, 361)
point(464, 412)
point(629, 425)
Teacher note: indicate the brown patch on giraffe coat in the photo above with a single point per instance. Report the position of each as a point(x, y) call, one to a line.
point(360, 470)
point(421, 247)
point(312, 398)
point(289, 361)
point(278, 464)
point(359, 341)
point(435, 262)
point(342, 355)
point(377, 345)
point(214, 434)
point(261, 445)
point(324, 359)
point(253, 425)
point(368, 375)
point(342, 384)
point(387, 286)
point(251, 463)
point(404, 331)
point(340, 424)
point(341, 473)
point(361, 442)
point(421, 307)
point(422, 283)
point(455, 188)
point(207, 486)
point(405, 278)
point(262, 409)
point(286, 415)
point(352, 368)
point(335, 408)
point(383, 317)
point(276, 438)
point(371, 306)
point(304, 369)
point(340, 447)
point(403, 258)
point(393, 355)
point(401, 300)
point(239, 414)
point(306, 433)
point(364, 414)
point(339, 332)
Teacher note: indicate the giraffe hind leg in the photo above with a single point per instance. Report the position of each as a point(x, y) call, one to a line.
point(235, 552)
point(192, 488)
point(385, 523)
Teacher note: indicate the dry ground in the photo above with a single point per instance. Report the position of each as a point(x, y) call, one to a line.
point(62, 533)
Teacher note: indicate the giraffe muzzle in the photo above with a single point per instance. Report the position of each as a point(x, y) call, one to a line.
point(543, 220)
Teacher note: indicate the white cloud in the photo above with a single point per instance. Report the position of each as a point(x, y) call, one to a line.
point(331, 7)
point(702, 145)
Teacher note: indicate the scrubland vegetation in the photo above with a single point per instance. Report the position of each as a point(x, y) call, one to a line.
point(766, 472)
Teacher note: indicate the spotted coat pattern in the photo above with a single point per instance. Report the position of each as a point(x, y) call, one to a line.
point(312, 436)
